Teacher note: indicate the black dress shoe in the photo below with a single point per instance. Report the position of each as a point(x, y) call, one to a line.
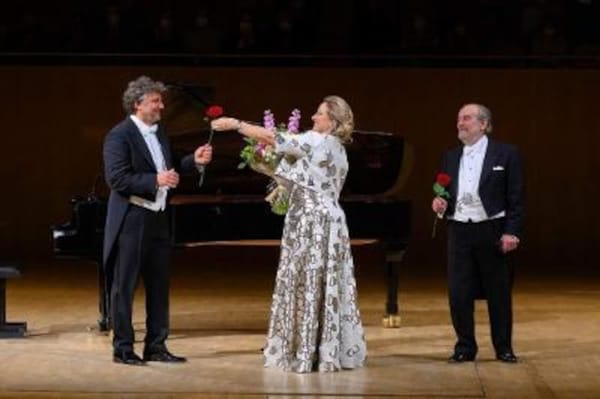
point(458, 357)
point(507, 357)
point(128, 357)
point(163, 356)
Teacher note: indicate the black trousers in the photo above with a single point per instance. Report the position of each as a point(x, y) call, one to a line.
point(143, 248)
point(477, 266)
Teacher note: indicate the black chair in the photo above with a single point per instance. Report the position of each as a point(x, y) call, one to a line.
point(9, 330)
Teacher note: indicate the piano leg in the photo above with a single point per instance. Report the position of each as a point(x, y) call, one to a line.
point(392, 267)
point(8, 330)
point(104, 283)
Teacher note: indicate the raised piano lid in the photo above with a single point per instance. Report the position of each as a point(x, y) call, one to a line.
point(379, 165)
point(380, 162)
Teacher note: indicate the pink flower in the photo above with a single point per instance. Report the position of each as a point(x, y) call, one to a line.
point(294, 121)
point(268, 120)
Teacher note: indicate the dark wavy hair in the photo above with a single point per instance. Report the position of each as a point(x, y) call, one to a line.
point(137, 89)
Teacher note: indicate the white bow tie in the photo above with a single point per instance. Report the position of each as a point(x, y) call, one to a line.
point(152, 129)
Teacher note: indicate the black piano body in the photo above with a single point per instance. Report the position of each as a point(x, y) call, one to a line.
point(230, 206)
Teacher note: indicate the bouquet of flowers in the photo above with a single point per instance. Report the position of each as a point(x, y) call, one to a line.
point(261, 157)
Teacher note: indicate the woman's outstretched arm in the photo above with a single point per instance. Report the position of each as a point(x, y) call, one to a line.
point(253, 131)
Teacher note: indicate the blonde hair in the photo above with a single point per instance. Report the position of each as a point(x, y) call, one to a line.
point(342, 117)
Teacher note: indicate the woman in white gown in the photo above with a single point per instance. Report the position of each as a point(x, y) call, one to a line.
point(315, 323)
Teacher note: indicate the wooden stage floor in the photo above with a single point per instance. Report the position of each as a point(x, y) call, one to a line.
point(219, 315)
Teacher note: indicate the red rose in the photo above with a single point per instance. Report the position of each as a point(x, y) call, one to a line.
point(443, 179)
point(214, 111)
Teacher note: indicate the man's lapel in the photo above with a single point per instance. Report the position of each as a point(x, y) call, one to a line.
point(139, 142)
point(164, 145)
point(453, 170)
point(488, 160)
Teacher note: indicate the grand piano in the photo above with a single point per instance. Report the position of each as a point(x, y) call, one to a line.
point(230, 203)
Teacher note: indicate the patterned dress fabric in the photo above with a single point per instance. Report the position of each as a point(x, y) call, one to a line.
point(315, 323)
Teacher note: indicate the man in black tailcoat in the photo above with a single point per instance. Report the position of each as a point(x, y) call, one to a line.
point(140, 169)
point(485, 215)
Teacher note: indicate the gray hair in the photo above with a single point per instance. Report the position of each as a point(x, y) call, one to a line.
point(137, 89)
point(485, 115)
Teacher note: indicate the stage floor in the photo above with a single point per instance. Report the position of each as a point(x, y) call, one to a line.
point(219, 317)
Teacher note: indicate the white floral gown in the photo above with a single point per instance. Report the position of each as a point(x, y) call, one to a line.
point(315, 322)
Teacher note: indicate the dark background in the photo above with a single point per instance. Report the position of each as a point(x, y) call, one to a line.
point(405, 67)
point(517, 27)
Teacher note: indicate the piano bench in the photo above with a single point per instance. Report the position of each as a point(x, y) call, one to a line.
point(9, 330)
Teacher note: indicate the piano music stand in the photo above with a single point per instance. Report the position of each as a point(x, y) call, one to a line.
point(9, 330)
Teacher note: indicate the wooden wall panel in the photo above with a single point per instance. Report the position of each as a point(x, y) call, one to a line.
point(54, 120)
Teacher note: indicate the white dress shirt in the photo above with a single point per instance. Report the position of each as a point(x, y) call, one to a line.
point(469, 207)
point(149, 135)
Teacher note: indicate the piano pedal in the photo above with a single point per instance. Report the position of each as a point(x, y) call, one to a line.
point(391, 321)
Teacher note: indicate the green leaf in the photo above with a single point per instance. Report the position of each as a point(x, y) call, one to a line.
point(440, 191)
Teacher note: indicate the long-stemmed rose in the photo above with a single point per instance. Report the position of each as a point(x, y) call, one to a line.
point(442, 181)
point(212, 112)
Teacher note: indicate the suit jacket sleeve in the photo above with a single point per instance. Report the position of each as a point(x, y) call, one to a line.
point(119, 170)
point(185, 164)
point(515, 209)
